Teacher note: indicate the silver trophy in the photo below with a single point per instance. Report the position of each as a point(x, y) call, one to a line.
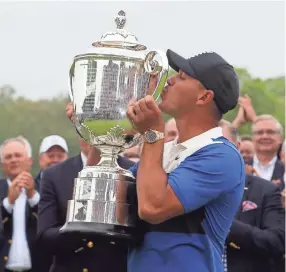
point(103, 80)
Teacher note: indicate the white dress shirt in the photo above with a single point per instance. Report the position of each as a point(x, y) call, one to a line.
point(19, 258)
point(84, 159)
point(264, 171)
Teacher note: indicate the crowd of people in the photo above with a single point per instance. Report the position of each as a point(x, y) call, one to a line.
point(241, 212)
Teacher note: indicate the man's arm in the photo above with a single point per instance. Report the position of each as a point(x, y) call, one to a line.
point(8, 201)
point(48, 221)
point(6, 209)
point(153, 188)
point(196, 181)
point(268, 240)
point(33, 203)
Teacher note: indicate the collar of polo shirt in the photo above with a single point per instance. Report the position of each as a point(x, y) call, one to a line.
point(175, 153)
point(202, 138)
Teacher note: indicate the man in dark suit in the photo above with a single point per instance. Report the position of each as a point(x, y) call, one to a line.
point(267, 137)
point(257, 235)
point(2, 239)
point(277, 175)
point(19, 203)
point(53, 149)
point(73, 253)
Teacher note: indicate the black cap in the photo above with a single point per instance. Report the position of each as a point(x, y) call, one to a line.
point(214, 73)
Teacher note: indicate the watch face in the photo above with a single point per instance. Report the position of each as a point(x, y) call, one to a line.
point(151, 136)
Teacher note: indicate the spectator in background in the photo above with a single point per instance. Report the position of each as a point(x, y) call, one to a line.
point(246, 112)
point(19, 203)
point(46, 255)
point(2, 239)
point(282, 154)
point(133, 153)
point(171, 131)
point(267, 137)
point(256, 239)
point(246, 148)
point(53, 149)
point(282, 159)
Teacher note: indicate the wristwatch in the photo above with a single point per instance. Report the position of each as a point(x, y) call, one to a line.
point(152, 136)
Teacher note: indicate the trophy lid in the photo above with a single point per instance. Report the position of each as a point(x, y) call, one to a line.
point(121, 38)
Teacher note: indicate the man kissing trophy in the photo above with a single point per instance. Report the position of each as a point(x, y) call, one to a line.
point(103, 80)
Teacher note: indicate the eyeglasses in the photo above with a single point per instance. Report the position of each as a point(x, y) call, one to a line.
point(266, 131)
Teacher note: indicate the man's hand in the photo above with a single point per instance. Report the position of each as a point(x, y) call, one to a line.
point(28, 183)
point(245, 102)
point(249, 169)
point(14, 189)
point(69, 111)
point(240, 118)
point(145, 114)
point(276, 181)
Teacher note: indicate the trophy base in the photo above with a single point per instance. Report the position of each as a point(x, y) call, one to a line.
point(104, 201)
point(111, 232)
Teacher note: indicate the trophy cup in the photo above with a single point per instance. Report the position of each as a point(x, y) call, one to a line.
point(103, 80)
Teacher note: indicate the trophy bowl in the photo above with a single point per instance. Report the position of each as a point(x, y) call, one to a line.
point(103, 80)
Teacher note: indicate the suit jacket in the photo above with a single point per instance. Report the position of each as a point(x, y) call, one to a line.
point(257, 236)
point(278, 173)
point(1, 233)
point(7, 220)
point(37, 178)
point(71, 252)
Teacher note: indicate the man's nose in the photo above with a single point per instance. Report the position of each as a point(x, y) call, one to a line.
point(56, 160)
point(14, 159)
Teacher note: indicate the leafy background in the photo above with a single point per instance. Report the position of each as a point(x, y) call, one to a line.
point(38, 119)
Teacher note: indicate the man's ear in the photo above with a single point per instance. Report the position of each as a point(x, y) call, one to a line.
point(238, 145)
point(30, 161)
point(205, 97)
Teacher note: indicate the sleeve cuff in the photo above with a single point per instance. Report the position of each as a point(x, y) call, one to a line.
point(34, 200)
point(178, 194)
point(7, 205)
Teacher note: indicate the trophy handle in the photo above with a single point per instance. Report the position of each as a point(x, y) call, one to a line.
point(71, 74)
point(154, 67)
point(71, 95)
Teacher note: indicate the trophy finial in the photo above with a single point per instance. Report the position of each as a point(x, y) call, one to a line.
point(120, 19)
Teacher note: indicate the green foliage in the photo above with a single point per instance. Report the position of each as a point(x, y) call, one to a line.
point(38, 119)
point(35, 120)
point(268, 97)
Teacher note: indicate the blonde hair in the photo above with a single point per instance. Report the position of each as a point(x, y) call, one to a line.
point(268, 117)
point(19, 139)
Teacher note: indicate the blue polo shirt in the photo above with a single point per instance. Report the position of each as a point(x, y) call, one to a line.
point(213, 177)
